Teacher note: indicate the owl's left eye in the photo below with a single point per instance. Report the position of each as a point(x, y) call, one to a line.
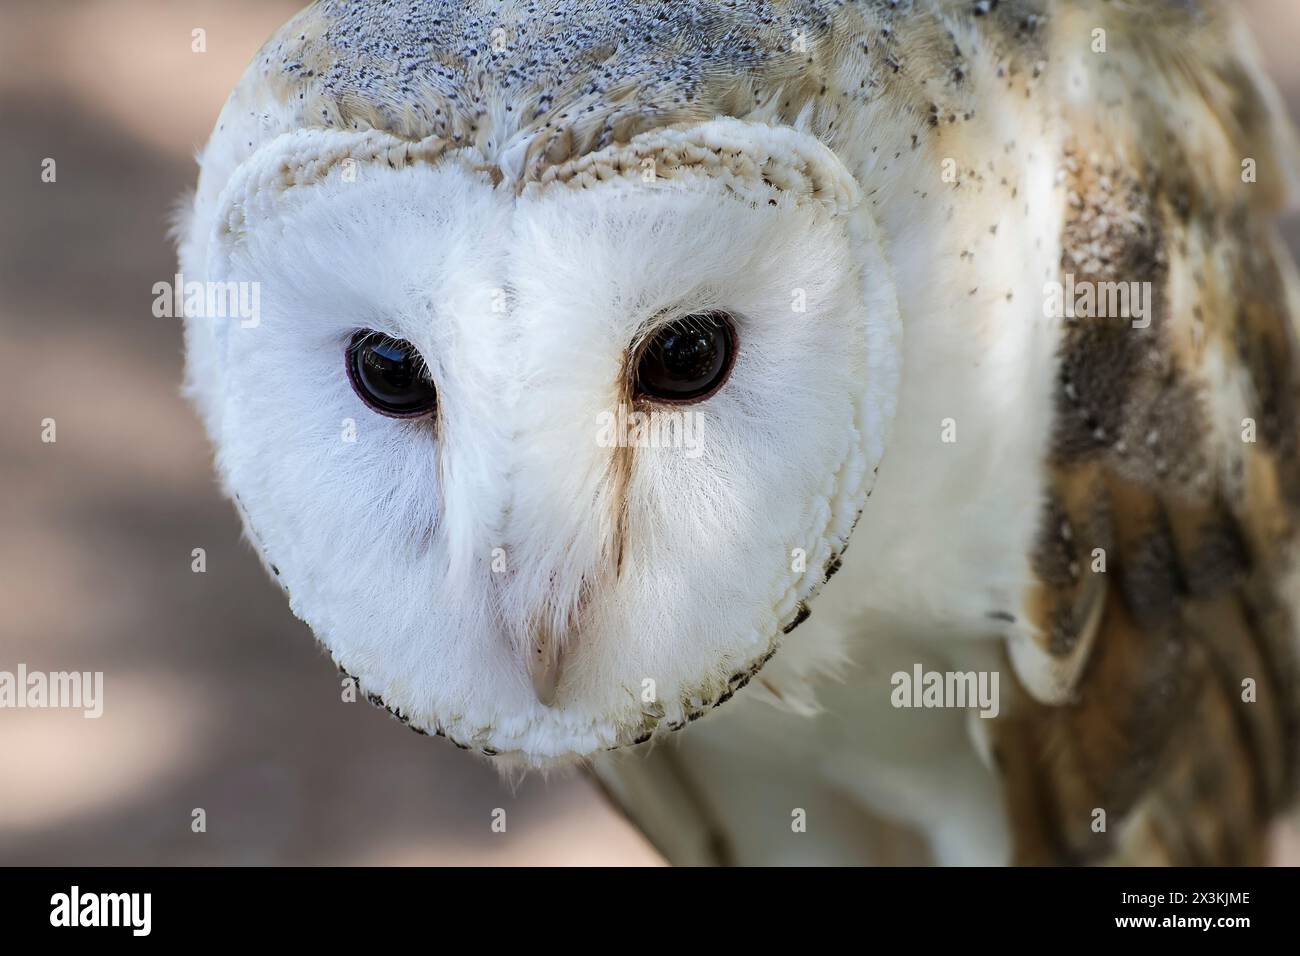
point(389, 376)
point(687, 360)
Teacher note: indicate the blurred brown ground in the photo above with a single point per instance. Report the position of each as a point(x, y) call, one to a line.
point(215, 696)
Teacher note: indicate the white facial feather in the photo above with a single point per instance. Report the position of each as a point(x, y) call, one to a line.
point(666, 574)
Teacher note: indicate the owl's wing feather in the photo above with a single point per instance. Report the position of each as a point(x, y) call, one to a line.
point(1161, 652)
point(657, 795)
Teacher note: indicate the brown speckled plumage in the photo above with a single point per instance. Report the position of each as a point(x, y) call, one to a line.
point(573, 76)
point(1197, 530)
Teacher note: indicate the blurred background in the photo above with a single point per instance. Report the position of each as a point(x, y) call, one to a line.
point(216, 698)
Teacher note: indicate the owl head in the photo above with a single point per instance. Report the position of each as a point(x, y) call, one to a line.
point(550, 452)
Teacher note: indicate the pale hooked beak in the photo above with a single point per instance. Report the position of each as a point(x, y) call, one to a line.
point(544, 664)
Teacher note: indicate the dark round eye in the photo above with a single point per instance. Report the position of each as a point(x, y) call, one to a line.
point(389, 375)
point(687, 360)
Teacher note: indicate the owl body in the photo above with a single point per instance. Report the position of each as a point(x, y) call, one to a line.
point(1011, 319)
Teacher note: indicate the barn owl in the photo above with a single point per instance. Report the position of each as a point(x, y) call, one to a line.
point(592, 334)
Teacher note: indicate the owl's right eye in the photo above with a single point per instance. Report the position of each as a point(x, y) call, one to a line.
point(390, 376)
